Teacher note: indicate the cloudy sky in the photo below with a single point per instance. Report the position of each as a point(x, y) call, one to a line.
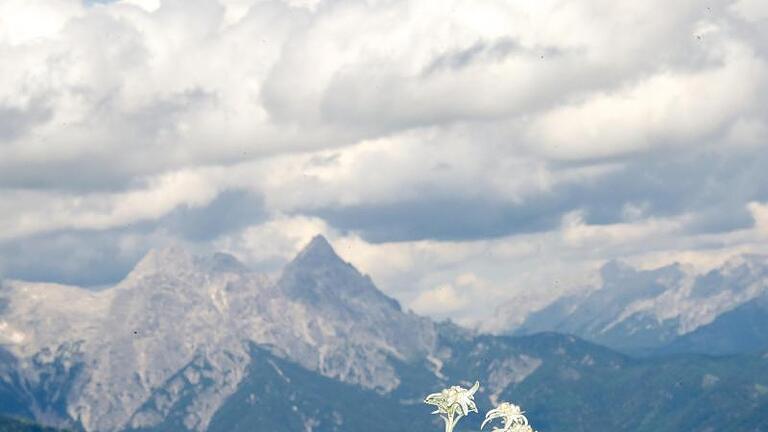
point(465, 153)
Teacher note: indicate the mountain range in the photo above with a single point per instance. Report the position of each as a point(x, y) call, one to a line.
point(203, 343)
point(667, 310)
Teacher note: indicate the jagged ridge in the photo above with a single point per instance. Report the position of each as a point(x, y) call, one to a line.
point(190, 343)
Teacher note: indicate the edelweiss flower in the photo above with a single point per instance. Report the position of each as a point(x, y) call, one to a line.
point(511, 415)
point(453, 403)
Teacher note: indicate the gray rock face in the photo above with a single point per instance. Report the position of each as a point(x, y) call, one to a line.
point(202, 343)
point(179, 322)
point(741, 330)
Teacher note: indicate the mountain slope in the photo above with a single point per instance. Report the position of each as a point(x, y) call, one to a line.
point(345, 310)
point(279, 395)
point(117, 353)
point(563, 382)
point(742, 330)
point(578, 386)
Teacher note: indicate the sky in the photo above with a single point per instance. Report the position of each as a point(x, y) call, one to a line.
point(478, 158)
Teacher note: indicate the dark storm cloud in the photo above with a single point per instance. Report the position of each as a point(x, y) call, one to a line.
point(446, 218)
point(230, 211)
point(714, 189)
point(83, 258)
point(97, 257)
point(95, 172)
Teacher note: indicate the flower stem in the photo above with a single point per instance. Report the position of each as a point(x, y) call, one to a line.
point(450, 422)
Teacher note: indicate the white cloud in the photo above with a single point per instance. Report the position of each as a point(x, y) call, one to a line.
point(576, 231)
point(751, 10)
point(441, 301)
point(275, 242)
point(147, 5)
point(25, 215)
point(760, 214)
point(34, 21)
point(206, 81)
point(462, 300)
point(522, 143)
point(666, 109)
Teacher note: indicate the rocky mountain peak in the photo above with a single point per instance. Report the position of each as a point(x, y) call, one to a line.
point(221, 262)
point(318, 252)
point(319, 276)
point(171, 257)
point(179, 262)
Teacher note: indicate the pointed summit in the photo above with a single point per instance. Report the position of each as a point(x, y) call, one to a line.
point(318, 252)
point(320, 277)
point(319, 243)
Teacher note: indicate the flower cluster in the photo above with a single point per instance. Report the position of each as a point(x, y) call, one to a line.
point(453, 403)
point(511, 416)
point(456, 402)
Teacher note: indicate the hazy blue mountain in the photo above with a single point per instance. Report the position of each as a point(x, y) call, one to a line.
point(742, 330)
point(641, 311)
point(203, 343)
point(14, 425)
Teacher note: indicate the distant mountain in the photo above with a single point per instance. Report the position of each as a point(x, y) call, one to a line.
point(203, 343)
point(641, 311)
